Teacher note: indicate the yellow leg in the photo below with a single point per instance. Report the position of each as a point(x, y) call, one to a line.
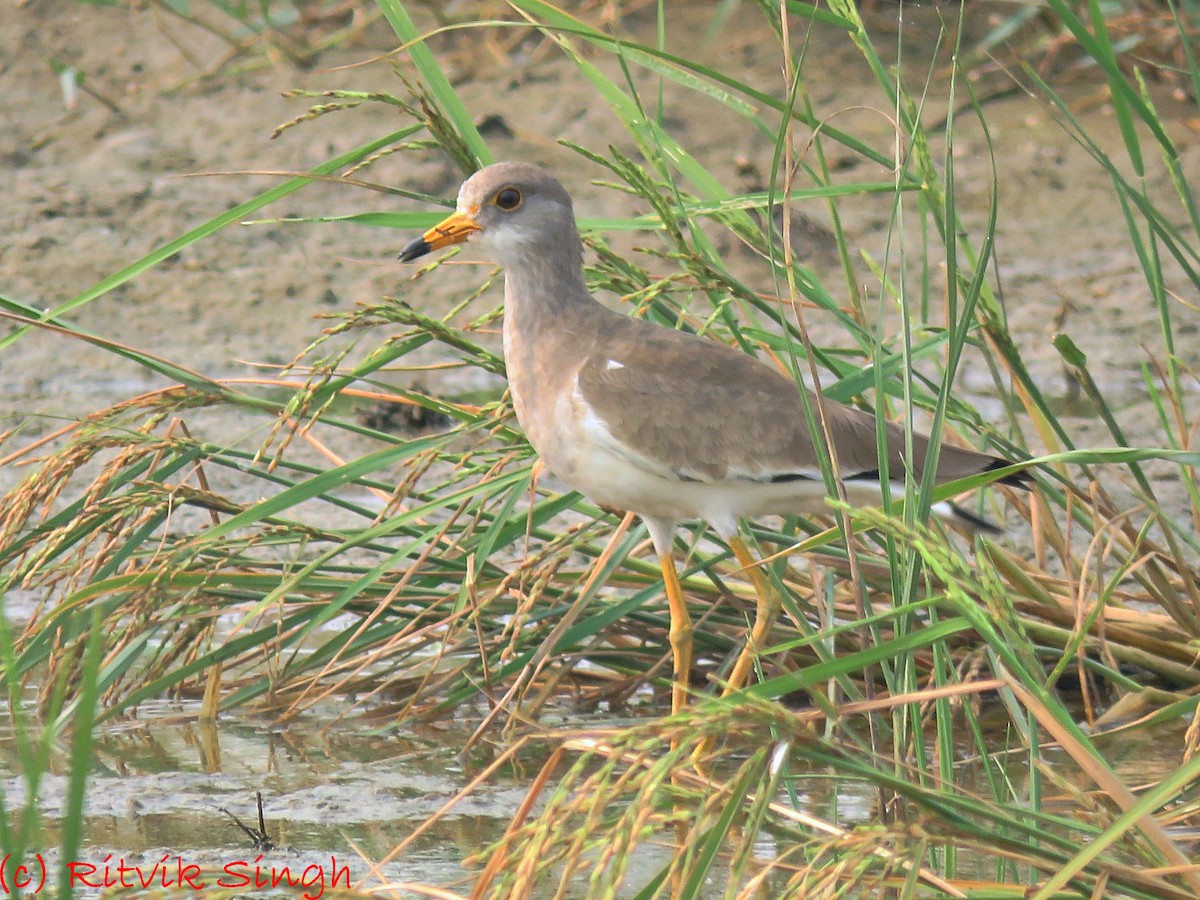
point(768, 607)
point(765, 615)
point(680, 634)
point(681, 651)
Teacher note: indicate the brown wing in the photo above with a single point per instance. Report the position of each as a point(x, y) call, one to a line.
point(706, 412)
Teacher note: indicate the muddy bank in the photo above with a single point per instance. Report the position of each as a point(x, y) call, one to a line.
point(92, 190)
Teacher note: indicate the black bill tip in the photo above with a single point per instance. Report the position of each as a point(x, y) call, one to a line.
point(415, 250)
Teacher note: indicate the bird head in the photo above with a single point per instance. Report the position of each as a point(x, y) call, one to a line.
point(515, 210)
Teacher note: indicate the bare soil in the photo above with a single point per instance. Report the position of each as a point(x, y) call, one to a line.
point(92, 189)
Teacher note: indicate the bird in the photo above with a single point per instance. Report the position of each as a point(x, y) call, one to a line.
point(666, 424)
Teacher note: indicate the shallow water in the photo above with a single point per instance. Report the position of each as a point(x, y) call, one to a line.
point(157, 787)
point(338, 797)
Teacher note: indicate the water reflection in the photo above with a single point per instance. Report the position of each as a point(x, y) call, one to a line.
point(157, 786)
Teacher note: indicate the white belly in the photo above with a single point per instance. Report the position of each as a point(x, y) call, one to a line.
point(578, 448)
point(580, 451)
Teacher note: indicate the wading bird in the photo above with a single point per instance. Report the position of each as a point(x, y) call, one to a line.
point(668, 425)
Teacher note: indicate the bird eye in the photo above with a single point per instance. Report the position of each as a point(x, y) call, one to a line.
point(508, 199)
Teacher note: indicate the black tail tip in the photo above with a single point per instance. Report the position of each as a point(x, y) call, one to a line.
point(1022, 479)
point(973, 523)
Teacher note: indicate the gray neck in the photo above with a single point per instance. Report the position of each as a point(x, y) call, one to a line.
point(539, 284)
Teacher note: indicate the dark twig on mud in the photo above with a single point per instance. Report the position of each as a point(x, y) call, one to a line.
point(258, 837)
